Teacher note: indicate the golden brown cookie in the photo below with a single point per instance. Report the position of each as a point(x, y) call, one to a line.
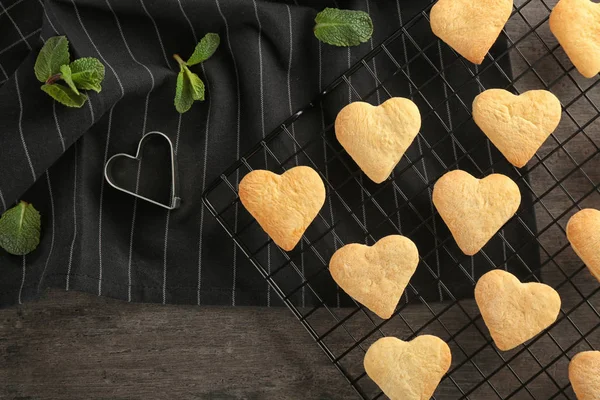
point(408, 370)
point(470, 26)
point(284, 205)
point(514, 312)
point(475, 209)
point(376, 276)
point(584, 374)
point(583, 231)
point(517, 125)
point(377, 137)
point(576, 25)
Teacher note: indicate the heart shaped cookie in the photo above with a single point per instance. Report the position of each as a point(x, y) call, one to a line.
point(584, 374)
point(377, 137)
point(514, 312)
point(583, 232)
point(470, 27)
point(284, 205)
point(376, 276)
point(517, 125)
point(475, 209)
point(408, 370)
point(576, 25)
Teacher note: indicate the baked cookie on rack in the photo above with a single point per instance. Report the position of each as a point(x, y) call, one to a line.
point(475, 209)
point(377, 275)
point(408, 370)
point(377, 137)
point(515, 312)
point(517, 125)
point(584, 375)
point(583, 232)
point(576, 25)
point(470, 27)
point(283, 205)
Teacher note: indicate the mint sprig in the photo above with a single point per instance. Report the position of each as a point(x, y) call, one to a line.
point(20, 229)
point(53, 65)
point(189, 85)
point(343, 27)
point(54, 54)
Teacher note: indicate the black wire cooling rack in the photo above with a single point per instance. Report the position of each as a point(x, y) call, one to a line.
point(563, 178)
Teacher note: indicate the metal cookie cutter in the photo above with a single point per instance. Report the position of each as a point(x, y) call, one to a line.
point(175, 201)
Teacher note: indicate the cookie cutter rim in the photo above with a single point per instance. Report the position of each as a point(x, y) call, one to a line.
point(175, 200)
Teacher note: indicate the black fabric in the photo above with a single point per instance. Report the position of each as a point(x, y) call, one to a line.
point(100, 240)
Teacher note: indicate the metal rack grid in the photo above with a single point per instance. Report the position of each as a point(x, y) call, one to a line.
point(561, 179)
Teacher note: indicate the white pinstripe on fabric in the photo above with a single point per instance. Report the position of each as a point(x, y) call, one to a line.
point(133, 217)
point(101, 208)
point(396, 203)
point(96, 48)
point(489, 149)
point(5, 11)
point(70, 264)
point(206, 132)
point(329, 200)
point(23, 278)
point(291, 108)
point(48, 17)
point(448, 113)
point(165, 247)
point(360, 177)
point(52, 218)
point(21, 127)
point(262, 124)
point(2, 201)
point(188, 21)
point(420, 147)
point(10, 46)
point(3, 73)
point(453, 138)
point(335, 243)
point(48, 182)
point(160, 42)
point(237, 156)
point(201, 234)
point(62, 139)
point(101, 203)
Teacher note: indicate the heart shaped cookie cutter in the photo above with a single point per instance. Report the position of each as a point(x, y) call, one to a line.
point(175, 201)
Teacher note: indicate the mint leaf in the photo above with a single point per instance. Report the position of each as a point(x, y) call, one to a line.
point(87, 73)
point(196, 85)
point(53, 54)
point(20, 229)
point(65, 74)
point(343, 27)
point(65, 95)
point(205, 49)
point(183, 95)
point(189, 88)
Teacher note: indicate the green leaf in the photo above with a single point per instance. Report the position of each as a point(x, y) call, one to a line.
point(20, 229)
point(65, 95)
point(197, 86)
point(54, 54)
point(189, 88)
point(65, 75)
point(87, 73)
point(183, 95)
point(343, 27)
point(204, 49)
